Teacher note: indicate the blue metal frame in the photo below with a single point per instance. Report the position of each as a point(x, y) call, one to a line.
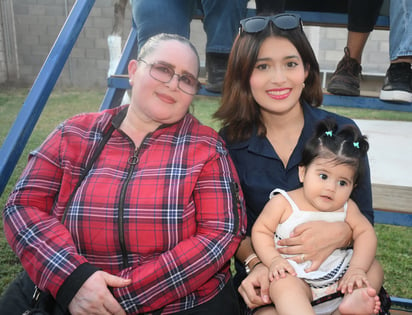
point(393, 218)
point(30, 112)
point(364, 102)
point(402, 302)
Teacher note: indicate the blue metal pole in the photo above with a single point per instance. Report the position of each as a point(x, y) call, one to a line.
point(30, 112)
point(118, 85)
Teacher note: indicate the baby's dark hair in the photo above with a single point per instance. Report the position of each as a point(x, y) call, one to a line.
point(345, 145)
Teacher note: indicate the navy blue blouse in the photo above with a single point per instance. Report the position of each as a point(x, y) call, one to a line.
point(261, 170)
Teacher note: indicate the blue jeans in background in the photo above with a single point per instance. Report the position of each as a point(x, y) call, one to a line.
point(400, 33)
point(220, 22)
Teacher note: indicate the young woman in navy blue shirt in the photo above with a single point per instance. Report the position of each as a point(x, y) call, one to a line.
point(269, 109)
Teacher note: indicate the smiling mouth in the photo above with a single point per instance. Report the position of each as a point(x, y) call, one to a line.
point(279, 94)
point(165, 98)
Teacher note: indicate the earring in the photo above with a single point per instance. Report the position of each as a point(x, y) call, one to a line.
point(303, 85)
point(130, 82)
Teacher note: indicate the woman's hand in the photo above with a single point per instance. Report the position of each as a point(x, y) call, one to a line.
point(316, 241)
point(254, 289)
point(94, 297)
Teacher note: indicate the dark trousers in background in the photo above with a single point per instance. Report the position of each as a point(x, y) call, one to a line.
point(362, 14)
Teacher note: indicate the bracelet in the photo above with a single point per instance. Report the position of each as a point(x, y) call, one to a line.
point(259, 262)
point(249, 259)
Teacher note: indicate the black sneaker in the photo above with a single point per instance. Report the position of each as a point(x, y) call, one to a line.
point(346, 78)
point(397, 86)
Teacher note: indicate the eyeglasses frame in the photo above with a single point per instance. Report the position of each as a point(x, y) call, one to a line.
point(179, 76)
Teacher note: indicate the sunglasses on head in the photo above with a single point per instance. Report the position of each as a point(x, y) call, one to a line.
point(283, 21)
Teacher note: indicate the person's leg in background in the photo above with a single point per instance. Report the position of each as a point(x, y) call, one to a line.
point(158, 16)
point(397, 86)
point(269, 7)
point(221, 24)
point(362, 16)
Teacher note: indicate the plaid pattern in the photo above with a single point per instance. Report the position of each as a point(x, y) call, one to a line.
point(169, 214)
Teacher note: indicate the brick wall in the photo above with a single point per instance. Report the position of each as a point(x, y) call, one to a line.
point(38, 23)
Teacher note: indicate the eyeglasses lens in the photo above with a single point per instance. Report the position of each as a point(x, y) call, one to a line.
point(286, 22)
point(254, 25)
point(281, 21)
point(163, 73)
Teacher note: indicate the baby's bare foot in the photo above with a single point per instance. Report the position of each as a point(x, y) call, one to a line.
point(363, 301)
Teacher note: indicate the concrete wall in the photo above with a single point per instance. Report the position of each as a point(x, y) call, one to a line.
point(375, 58)
point(38, 23)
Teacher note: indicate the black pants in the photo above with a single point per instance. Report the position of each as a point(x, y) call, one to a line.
point(225, 303)
point(17, 297)
point(362, 14)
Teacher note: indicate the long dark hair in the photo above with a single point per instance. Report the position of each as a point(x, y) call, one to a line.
point(239, 112)
point(344, 146)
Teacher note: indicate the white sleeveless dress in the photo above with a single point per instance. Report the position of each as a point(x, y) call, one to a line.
point(323, 281)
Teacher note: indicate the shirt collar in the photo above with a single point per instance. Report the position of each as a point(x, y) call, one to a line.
point(118, 118)
point(261, 146)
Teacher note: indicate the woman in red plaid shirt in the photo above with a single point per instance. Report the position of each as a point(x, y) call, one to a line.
point(154, 223)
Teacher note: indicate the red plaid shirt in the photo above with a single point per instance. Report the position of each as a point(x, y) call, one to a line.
point(169, 214)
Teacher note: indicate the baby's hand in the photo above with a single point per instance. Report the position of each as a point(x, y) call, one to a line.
point(354, 277)
point(279, 267)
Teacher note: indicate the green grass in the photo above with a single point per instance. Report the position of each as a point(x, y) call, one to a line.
point(395, 243)
point(60, 106)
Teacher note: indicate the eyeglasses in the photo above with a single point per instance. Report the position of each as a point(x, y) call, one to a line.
point(283, 21)
point(161, 72)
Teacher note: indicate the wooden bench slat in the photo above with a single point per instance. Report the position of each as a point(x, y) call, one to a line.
point(392, 198)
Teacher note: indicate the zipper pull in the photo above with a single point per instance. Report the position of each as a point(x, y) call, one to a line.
point(134, 159)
